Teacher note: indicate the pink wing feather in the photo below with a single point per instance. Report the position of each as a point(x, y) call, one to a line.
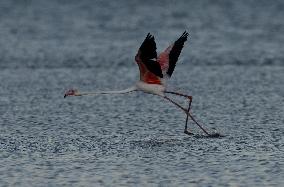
point(163, 59)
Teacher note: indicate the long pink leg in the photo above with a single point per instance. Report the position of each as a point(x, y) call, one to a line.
point(180, 94)
point(187, 114)
point(190, 100)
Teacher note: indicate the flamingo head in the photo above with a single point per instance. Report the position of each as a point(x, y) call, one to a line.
point(71, 92)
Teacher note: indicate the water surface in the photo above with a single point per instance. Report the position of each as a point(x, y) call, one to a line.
point(232, 65)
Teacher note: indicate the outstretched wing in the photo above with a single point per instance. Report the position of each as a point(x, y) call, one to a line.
point(146, 59)
point(169, 57)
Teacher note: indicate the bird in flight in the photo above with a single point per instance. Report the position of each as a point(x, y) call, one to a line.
point(155, 70)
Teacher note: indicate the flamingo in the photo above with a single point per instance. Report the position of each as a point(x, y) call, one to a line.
point(154, 73)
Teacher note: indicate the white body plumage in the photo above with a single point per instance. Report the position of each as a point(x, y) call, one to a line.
point(151, 88)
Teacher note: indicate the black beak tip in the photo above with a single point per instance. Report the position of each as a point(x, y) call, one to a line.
point(65, 95)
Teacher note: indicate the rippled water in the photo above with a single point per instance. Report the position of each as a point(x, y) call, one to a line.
point(232, 65)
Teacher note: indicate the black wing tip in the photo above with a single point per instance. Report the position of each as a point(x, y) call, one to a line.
point(184, 36)
point(149, 37)
point(185, 33)
point(148, 48)
point(175, 52)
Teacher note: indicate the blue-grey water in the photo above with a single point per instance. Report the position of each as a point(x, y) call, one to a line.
point(232, 65)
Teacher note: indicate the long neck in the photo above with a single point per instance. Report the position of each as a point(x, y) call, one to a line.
point(109, 92)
